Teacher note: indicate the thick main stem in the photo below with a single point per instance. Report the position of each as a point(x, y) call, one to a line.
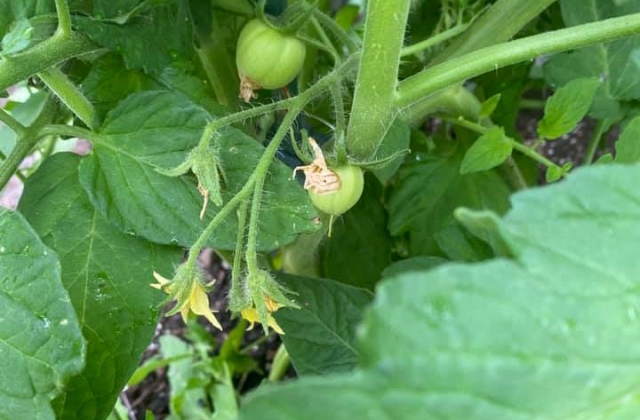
point(69, 94)
point(491, 58)
point(26, 140)
point(373, 102)
point(50, 52)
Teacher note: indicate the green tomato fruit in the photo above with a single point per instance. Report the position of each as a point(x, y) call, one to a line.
point(268, 58)
point(338, 202)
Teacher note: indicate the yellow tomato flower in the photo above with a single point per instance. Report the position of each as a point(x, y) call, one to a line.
point(251, 315)
point(190, 296)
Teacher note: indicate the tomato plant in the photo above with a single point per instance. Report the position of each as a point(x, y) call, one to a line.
point(478, 160)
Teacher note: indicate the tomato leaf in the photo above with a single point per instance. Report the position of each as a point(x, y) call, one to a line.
point(109, 82)
point(143, 41)
point(429, 188)
point(491, 149)
point(566, 108)
point(628, 144)
point(109, 288)
point(330, 313)
point(552, 334)
point(40, 339)
point(614, 63)
point(155, 130)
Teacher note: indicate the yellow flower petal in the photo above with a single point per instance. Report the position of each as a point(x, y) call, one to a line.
point(251, 315)
point(161, 281)
point(199, 304)
point(273, 324)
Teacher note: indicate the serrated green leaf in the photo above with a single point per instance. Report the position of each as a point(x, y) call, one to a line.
point(320, 337)
point(155, 130)
point(567, 107)
point(360, 245)
point(197, 90)
point(615, 63)
point(491, 149)
point(143, 41)
point(428, 190)
point(107, 275)
point(18, 38)
point(628, 144)
point(552, 335)
point(40, 339)
point(109, 82)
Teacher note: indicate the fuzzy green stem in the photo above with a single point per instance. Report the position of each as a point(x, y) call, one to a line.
point(63, 130)
point(69, 94)
point(12, 123)
point(48, 53)
point(434, 40)
point(341, 125)
point(321, 46)
point(256, 201)
point(64, 17)
point(500, 23)
point(491, 58)
point(594, 142)
point(335, 30)
point(455, 100)
point(236, 269)
point(373, 107)
point(529, 152)
point(325, 40)
point(25, 142)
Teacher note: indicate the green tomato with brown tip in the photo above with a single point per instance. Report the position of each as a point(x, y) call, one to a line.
point(268, 58)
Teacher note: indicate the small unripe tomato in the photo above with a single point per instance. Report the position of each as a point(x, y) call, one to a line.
point(339, 201)
point(267, 58)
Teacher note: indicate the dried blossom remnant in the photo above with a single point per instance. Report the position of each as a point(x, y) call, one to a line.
point(318, 177)
point(247, 88)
